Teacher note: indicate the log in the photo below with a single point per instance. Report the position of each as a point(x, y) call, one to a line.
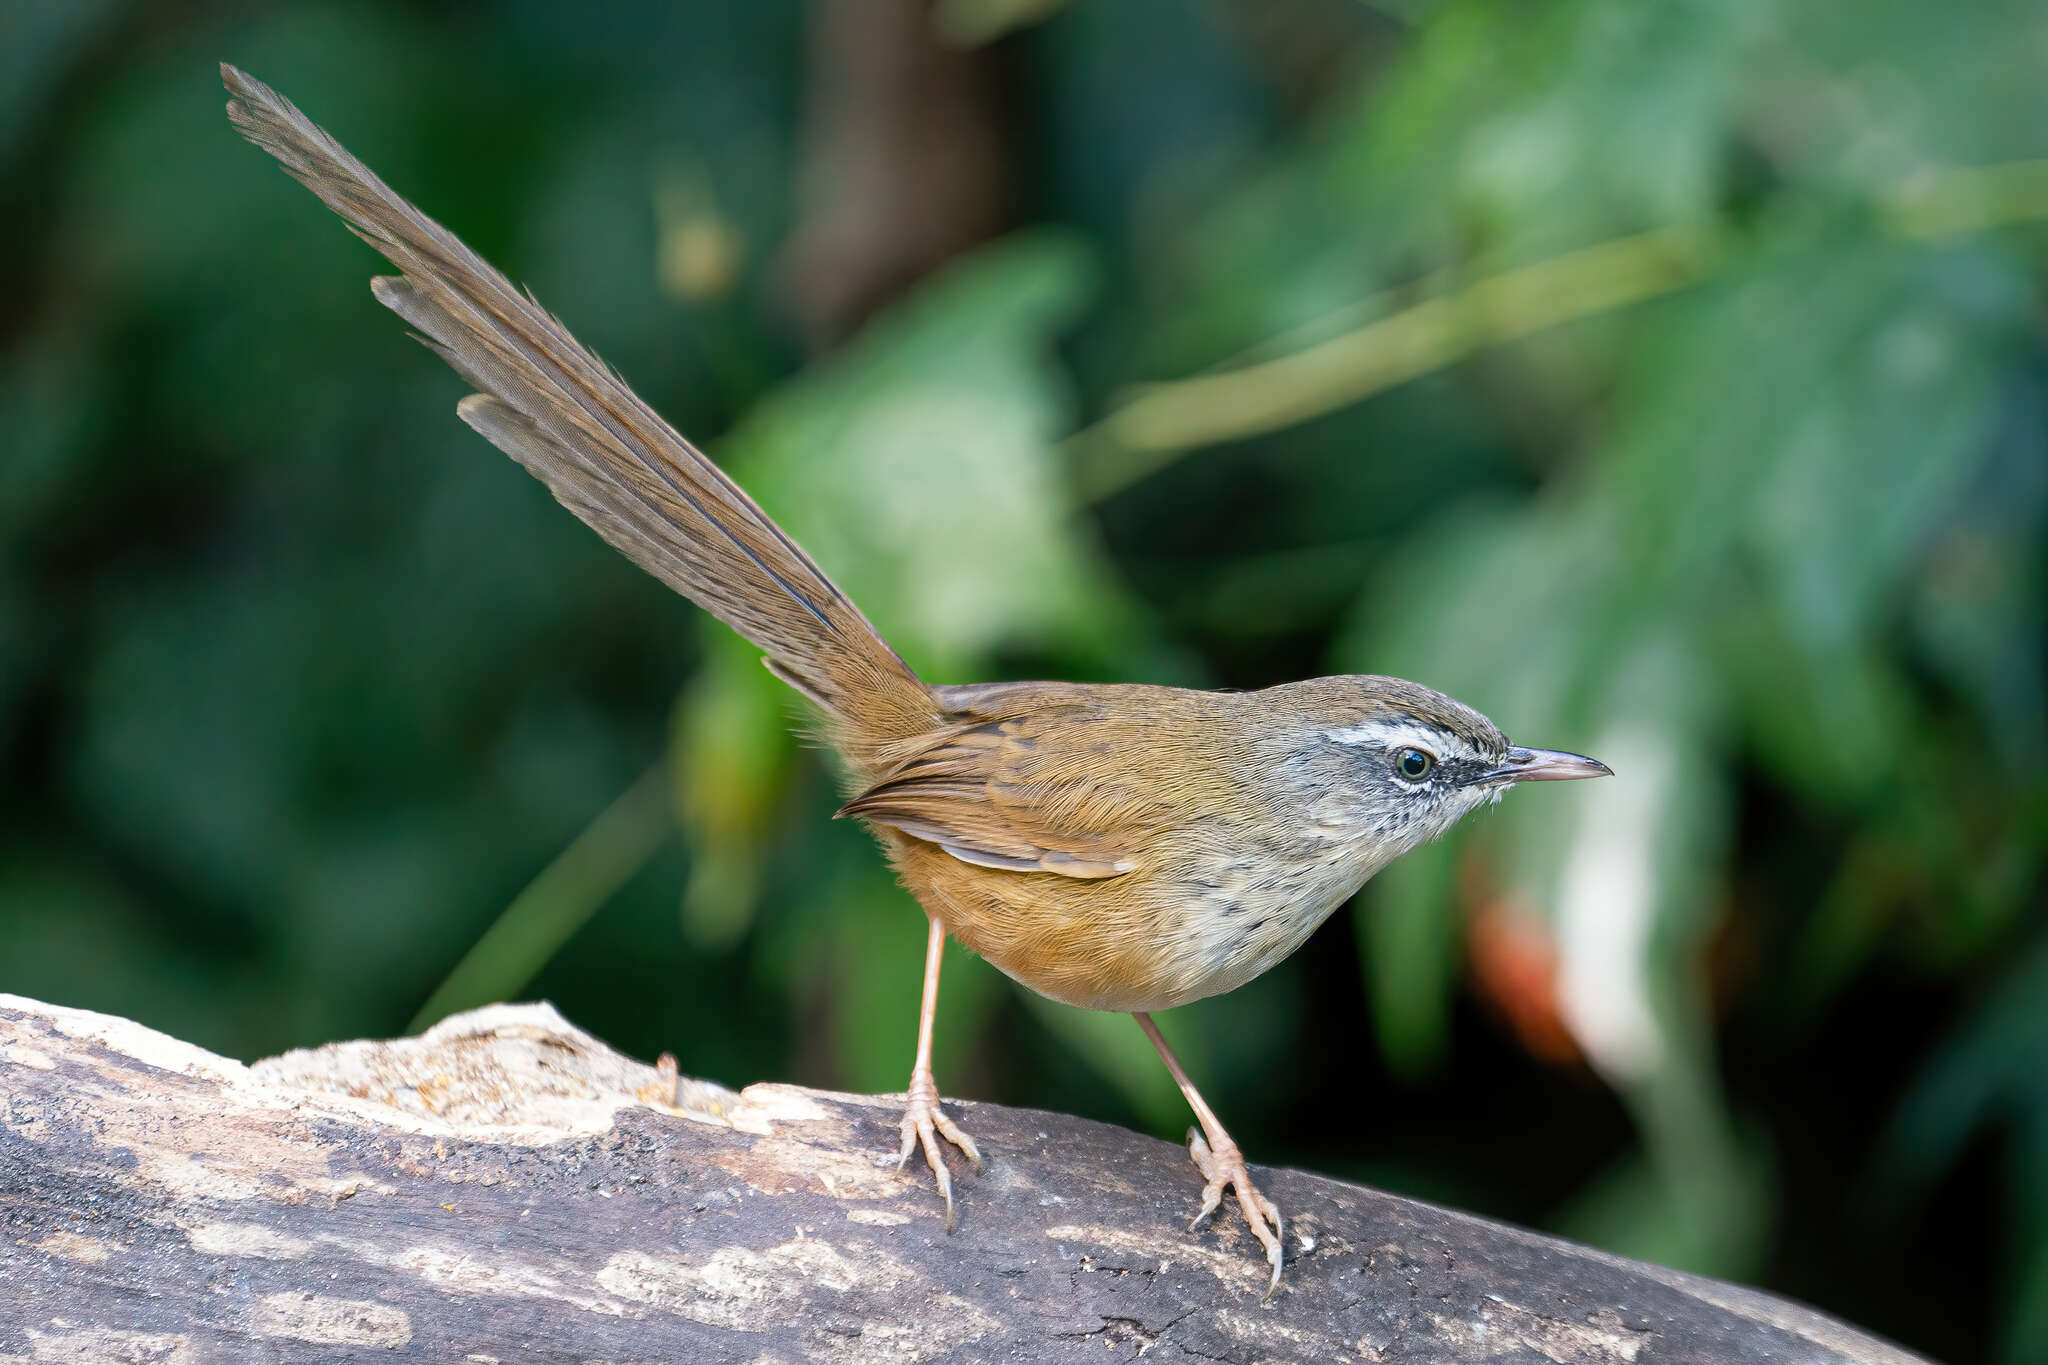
point(505, 1188)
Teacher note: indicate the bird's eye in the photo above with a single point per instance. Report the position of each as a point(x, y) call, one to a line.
point(1413, 764)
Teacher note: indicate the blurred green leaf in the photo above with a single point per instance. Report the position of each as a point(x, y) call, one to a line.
point(918, 467)
point(731, 753)
point(1601, 119)
point(1408, 933)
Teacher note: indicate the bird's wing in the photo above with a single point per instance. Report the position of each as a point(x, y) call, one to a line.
point(1031, 792)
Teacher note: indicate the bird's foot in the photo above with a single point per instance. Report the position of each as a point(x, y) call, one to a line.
point(1223, 1167)
point(924, 1123)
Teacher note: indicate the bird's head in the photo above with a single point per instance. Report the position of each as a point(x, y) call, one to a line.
point(1393, 764)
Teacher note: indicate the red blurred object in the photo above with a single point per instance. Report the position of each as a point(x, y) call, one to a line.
point(1514, 970)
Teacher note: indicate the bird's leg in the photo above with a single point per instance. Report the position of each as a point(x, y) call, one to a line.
point(924, 1122)
point(1221, 1163)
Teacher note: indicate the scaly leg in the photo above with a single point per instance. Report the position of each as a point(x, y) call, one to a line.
point(923, 1121)
point(1221, 1163)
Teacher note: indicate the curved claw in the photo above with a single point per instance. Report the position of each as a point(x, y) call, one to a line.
point(1225, 1168)
point(924, 1124)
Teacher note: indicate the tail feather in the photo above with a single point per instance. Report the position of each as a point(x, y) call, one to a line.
point(605, 455)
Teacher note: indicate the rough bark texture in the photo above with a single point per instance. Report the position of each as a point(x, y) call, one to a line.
point(506, 1188)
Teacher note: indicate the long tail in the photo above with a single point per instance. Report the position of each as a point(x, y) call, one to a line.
point(560, 411)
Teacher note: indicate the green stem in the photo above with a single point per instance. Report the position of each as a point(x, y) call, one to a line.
point(1161, 421)
point(1957, 200)
point(1157, 423)
point(558, 902)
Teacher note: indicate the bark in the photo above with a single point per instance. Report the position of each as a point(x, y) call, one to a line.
point(506, 1188)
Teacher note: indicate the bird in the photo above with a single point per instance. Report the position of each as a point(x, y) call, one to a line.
point(1111, 846)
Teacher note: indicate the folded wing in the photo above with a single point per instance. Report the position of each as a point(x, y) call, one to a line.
point(1022, 787)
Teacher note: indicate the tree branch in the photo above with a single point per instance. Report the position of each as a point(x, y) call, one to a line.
point(506, 1188)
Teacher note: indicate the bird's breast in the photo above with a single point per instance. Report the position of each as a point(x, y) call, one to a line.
point(1236, 917)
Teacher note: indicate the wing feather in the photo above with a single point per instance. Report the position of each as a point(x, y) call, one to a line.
point(1020, 793)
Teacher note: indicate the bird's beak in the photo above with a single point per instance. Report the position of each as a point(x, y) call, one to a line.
point(1546, 765)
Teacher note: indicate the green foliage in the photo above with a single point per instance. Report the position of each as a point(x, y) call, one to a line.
point(1666, 380)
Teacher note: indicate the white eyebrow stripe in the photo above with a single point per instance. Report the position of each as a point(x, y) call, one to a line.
point(1390, 733)
point(1359, 734)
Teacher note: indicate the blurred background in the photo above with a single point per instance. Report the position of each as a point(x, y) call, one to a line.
point(1669, 381)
